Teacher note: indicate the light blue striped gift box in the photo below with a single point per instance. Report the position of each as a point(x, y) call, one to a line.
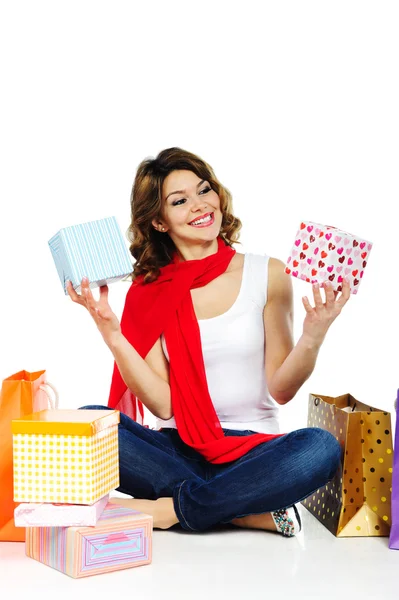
point(95, 249)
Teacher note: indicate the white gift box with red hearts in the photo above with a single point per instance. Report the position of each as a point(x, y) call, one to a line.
point(324, 253)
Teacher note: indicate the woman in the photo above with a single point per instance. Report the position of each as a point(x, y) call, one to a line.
point(206, 344)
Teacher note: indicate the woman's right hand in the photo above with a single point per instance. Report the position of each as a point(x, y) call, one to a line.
point(106, 321)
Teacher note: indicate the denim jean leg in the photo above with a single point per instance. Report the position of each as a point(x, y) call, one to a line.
point(273, 475)
point(150, 463)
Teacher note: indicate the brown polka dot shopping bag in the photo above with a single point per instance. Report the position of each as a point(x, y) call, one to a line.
point(357, 502)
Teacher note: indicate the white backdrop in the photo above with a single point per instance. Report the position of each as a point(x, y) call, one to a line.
point(294, 104)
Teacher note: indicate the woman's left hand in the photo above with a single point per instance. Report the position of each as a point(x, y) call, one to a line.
point(319, 318)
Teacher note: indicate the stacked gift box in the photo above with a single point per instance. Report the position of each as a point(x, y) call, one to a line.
point(65, 466)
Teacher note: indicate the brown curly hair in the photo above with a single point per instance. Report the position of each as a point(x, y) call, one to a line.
point(151, 248)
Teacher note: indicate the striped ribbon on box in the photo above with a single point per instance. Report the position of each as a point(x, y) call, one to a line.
point(95, 249)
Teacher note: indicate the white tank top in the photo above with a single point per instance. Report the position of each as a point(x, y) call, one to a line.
point(233, 347)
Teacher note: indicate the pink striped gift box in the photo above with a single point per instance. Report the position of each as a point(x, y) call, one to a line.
point(121, 539)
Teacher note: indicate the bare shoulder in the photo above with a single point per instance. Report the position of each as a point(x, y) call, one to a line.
point(279, 285)
point(236, 263)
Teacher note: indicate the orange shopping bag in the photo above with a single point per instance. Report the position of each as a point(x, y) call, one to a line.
point(21, 394)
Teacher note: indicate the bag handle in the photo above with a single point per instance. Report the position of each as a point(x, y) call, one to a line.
point(53, 403)
point(333, 407)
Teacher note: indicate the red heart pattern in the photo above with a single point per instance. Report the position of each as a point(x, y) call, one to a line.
point(333, 249)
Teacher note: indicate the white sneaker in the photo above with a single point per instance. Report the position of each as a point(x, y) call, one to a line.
point(287, 521)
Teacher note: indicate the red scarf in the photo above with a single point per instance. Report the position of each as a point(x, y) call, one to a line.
point(165, 306)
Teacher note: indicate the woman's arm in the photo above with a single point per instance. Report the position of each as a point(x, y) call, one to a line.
point(147, 379)
point(287, 366)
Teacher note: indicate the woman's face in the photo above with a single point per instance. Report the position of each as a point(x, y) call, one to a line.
point(187, 198)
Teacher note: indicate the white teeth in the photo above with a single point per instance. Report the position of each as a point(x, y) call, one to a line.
point(208, 218)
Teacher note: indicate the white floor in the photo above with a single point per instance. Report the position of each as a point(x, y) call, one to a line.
point(227, 563)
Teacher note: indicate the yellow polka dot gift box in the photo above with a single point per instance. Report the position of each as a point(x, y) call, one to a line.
point(357, 501)
point(68, 456)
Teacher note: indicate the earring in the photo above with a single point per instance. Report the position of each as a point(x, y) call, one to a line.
point(163, 228)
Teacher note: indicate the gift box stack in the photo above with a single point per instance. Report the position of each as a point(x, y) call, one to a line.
point(65, 465)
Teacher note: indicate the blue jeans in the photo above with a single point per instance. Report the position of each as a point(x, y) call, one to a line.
point(273, 475)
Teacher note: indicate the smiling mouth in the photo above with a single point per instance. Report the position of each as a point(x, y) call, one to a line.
point(205, 222)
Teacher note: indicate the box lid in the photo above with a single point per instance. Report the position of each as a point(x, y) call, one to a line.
point(332, 229)
point(112, 518)
point(66, 422)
